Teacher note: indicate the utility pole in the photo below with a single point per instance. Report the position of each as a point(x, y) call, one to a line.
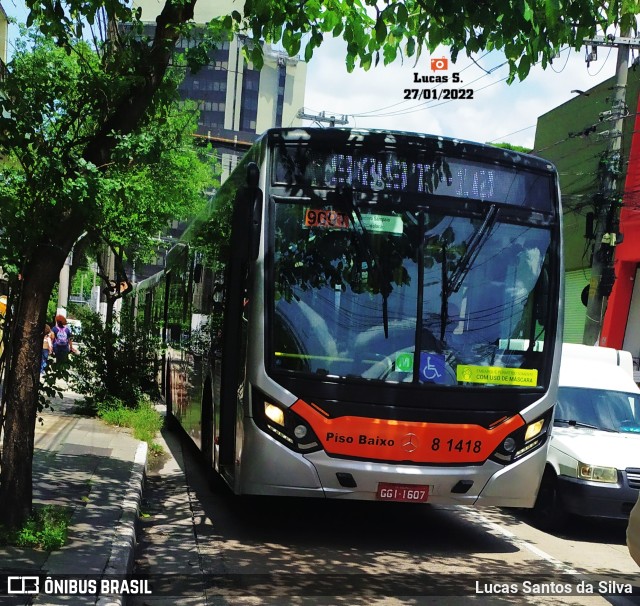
point(607, 205)
point(322, 117)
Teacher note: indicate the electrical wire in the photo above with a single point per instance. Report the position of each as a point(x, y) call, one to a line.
point(602, 66)
point(563, 67)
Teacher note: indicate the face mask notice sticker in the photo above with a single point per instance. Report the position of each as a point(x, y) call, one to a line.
point(497, 375)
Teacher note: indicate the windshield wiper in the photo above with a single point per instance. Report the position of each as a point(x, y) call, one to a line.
point(474, 247)
point(574, 423)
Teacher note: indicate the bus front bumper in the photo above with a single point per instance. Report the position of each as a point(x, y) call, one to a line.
point(277, 470)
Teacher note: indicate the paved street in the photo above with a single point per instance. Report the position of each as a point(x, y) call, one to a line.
point(203, 546)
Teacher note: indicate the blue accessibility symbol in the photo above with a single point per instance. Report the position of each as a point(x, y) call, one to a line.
point(433, 368)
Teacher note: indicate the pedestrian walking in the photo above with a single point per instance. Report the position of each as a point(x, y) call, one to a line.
point(47, 348)
point(62, 339)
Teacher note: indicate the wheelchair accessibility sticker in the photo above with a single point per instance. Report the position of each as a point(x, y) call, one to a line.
point(433, 368)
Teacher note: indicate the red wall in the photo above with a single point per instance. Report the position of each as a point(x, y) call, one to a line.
point(627, 254)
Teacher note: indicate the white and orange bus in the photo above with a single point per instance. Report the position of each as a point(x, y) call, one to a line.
point(368, 315)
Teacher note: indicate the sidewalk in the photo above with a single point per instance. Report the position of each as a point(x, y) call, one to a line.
point(98, 470)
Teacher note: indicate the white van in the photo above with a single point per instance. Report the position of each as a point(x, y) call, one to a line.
point(593, 462)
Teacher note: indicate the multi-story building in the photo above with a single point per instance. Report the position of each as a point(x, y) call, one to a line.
point(237, 102)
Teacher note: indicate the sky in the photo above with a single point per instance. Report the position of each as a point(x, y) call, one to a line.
point(498, 112)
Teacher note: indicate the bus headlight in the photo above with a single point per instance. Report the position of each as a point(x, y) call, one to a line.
point(273, 413)
point(594, 473)
point(281, 423)
point(533, 429)
point(523, 440)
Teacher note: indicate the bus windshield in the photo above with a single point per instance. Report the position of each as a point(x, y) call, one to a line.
point(409, 296)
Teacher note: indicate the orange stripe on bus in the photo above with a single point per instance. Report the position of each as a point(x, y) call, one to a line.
point(324, 413)
point(496, 423)
point(405, 441)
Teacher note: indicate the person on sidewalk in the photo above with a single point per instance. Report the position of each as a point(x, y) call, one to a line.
point(47, 348)
point(62, 339)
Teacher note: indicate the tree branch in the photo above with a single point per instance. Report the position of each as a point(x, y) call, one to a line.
point(151, 71)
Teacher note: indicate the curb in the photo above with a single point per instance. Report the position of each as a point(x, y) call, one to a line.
point(121, 560)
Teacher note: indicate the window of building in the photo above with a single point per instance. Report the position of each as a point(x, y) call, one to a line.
point(249, 100)
point(282, 79)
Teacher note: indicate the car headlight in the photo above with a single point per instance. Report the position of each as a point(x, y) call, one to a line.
point(594, 473)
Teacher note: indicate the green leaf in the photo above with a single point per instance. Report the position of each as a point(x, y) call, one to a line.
point(390, 53)
point(524, 67)
point(402, 15)
point(528, 12)
point(381, 31)
point(350, 62)
point(435, 37)
point(411, 46)
point(308, 52)
point(552, 9)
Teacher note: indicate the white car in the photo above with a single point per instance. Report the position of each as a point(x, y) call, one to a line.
point(593, 462)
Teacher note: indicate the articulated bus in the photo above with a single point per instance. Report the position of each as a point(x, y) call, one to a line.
point(368, 315)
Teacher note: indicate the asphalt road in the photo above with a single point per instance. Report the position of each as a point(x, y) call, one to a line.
point(201, 545)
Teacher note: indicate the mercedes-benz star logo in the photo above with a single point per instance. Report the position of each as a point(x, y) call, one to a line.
point(410, 442)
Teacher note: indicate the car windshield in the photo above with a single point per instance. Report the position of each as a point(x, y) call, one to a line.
point(598, 408)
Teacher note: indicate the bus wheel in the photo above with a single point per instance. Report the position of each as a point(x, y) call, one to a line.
point(548, 511)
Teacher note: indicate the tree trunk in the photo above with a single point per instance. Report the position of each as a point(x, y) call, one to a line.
point(22, 383)
point(41, 273)
point(109, 342)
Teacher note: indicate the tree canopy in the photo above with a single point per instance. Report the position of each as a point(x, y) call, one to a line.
point(156, 173)
point(528, 31)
